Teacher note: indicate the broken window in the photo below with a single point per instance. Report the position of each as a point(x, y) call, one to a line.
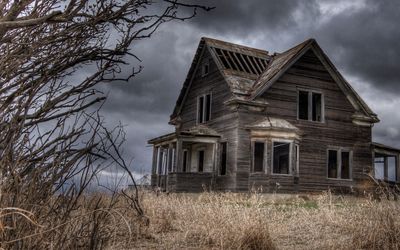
point(200, 109)
point(339, 164)
point(332, 164)
point(241, 62)
point(258, 156)
point(280, 154)
point(303, 105)
point(310, 106)
point(385, 167)
point(185, 161)
point(201, 161)
point(223, 158)
point(345, 166)
point(204, 108)
point(316, 107)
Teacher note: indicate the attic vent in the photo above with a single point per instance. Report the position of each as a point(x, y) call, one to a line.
point(241, 62)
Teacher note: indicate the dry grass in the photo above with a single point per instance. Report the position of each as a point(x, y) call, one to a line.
point(218, 221)
point(268, 221)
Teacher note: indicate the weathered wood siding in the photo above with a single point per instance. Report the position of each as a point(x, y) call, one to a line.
point(189, 182)
point(337, 130)
point(223, 120)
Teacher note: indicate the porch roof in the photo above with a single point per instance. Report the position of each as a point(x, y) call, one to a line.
point(196, 131)
point(378, 147)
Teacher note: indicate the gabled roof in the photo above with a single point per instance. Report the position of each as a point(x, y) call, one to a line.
point(240, 66)
point(249, 72)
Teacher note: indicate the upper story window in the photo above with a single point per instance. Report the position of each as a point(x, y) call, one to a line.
point(310, 106)
point(205, 68)
point(204, 108)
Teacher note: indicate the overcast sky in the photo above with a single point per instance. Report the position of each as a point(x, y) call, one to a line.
point(361, 38)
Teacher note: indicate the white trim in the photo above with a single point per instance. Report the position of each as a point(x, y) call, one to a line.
point(297, 159)
point(290, 156)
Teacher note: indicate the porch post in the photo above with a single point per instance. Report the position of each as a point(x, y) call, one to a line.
point(215, 161)
point(154, 163)
point(178, 152)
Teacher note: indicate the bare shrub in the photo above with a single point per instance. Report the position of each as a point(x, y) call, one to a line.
point(254, 237)
point(53, 139)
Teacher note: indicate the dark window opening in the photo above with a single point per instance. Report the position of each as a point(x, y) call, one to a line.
point(281, 152)
point(332, 164)
point(345, 166)
point(303, 105)
point(223, 158)
point(208, 108)
point(316, 107)
point(201, 109)
point(204, 108)
point(185, 161)
point(205, 69)
point(258, 156)
point(201, 160)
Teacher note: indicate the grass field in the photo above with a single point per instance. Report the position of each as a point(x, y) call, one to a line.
point(268, 221)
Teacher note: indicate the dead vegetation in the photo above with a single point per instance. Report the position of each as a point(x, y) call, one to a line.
point(269, 221)
point(53, 138)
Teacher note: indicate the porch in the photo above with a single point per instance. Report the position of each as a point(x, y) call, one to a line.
point(185, 161)
point(386, 163)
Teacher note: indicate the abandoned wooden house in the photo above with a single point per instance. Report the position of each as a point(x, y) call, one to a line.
point(284, 122)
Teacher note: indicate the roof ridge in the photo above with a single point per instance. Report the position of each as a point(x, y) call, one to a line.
point(222, 42)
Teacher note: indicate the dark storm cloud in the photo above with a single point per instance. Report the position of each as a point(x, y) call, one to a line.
point(244, 17)
point(361, 37)
point(366, 42)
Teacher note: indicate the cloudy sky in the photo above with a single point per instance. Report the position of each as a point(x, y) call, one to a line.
point(361, 38)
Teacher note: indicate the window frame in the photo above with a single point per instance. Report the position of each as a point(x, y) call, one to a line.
point(203, 66)
point(310, 105)
point(297, 159)
point(201, 118)
point(253, 142)
point(339, 151)
point(290, 168)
